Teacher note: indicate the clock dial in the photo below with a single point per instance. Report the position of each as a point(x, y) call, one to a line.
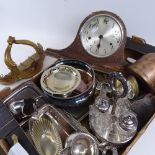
point(102, 35)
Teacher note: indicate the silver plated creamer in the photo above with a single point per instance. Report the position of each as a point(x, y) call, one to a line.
point(80, 144)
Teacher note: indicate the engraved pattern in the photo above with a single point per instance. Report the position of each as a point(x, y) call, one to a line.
point(60, 79)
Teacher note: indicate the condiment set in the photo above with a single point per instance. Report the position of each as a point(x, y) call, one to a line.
point(111, 117)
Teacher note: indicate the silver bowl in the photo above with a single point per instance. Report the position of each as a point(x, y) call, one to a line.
point(46, 137)
point(81, 94)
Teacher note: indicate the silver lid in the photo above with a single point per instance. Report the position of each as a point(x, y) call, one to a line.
point(128, 122)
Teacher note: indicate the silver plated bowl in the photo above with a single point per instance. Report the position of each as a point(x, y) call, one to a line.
point(46, 137)
point(81, 94)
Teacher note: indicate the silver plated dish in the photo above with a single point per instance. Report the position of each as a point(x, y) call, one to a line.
point(46, 137)
point(60, 80)
point(81, 94)
point(62, 123)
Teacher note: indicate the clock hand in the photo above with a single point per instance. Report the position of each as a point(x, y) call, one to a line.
point(99, 44)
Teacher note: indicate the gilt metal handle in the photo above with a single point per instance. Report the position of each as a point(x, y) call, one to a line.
point(26, 69)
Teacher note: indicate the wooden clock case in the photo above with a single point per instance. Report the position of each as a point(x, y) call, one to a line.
point(77, 51)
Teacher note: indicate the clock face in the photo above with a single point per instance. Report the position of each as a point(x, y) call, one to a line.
point(102, 35)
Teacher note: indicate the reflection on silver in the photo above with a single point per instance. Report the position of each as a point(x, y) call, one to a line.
point(133, 89)
point(66, 151)
point(102, 103)
point(81, 144)
point(25, 107)
point(128, 122)
point(112, 150)
point(61, 79)
point(118, 76)
point(46, 137)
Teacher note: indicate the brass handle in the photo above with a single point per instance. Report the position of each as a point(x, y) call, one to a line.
point(26, 69)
